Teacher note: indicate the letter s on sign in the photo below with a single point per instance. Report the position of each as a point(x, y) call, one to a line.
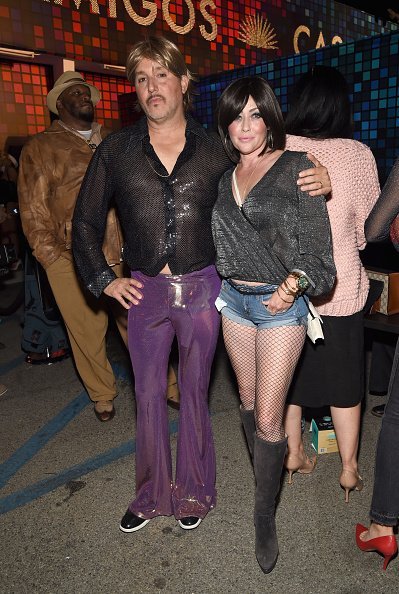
point(212, 35)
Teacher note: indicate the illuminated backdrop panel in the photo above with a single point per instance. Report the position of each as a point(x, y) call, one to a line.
point(23, 92)
point(371, 69)
point(23, 88)
point(214, 35)
point(110, 87)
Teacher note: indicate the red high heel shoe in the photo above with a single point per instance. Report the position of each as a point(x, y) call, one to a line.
point(385, 545)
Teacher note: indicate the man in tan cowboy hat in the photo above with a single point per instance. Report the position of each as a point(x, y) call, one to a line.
point(52, 167)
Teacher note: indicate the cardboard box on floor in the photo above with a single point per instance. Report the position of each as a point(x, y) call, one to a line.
point(324, 440)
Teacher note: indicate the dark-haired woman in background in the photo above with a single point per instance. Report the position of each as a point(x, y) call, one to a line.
point(332, 372)
point(384, 512)
point(273, 245)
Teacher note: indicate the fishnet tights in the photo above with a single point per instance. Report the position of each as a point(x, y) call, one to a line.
point(264, 362)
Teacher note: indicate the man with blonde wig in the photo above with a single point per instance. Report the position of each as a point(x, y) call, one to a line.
point(163, 174)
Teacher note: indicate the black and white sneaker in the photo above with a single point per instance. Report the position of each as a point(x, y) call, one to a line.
point(131, 523)
point(189, 523)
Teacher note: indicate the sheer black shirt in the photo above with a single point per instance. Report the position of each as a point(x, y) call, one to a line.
point(166, 219)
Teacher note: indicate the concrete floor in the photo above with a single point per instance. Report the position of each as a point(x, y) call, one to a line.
point(66, 481)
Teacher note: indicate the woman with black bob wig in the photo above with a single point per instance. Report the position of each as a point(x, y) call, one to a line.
point(320, 106)
point(331, 373)
point(273, 248)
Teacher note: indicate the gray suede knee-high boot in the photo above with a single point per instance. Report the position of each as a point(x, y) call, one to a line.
point(248, 423)
point(268, 465)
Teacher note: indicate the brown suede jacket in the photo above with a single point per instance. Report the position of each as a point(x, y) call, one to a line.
point(51, 169)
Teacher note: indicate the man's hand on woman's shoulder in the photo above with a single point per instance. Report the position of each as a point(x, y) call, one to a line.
point(316, 180)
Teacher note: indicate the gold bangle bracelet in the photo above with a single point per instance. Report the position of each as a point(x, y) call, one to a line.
point(287, 290)
point(298, 291)
point(288, 285)
point(282, 298)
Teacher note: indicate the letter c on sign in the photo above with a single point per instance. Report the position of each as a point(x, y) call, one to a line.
point(299, 30)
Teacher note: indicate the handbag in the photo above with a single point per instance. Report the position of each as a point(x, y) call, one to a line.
point(314, 330)
point(388, 302)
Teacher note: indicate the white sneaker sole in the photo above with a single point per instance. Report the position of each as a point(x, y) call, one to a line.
point(133, 529)
point(190, 527)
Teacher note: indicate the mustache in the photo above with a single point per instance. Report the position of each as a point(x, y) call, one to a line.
point(157, 96)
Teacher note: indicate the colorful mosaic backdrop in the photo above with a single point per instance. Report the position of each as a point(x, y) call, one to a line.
point(369, 65)
point(23, 91)
point(22, 106)
point(214, 35)
point(108, 110)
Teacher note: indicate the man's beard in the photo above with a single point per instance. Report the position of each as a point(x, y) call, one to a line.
point(86, 116)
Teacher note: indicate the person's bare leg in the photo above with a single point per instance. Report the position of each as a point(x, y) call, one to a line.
point(296, 459)
point(347, 427)
point(292, 425)
point(375, 531)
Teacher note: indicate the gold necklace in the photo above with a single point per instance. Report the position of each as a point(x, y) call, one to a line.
point(154, 170)
point(244, 194)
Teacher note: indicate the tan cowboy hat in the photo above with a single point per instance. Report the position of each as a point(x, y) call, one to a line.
point(68, 79)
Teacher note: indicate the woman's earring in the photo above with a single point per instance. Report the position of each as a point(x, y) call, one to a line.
point(269, 139)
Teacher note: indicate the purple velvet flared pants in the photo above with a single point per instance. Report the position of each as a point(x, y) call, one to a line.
point(181, 306)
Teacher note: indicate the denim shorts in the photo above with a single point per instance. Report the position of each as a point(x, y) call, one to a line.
point(249, 309)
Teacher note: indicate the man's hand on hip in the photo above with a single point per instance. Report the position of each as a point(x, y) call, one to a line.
point(125, 290)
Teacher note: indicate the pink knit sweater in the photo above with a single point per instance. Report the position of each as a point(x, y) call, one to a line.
point(355, 188)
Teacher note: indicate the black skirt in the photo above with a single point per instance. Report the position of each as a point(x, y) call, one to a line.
point(331, 373)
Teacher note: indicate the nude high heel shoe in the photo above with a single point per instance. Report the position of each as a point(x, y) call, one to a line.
point(350, 481)
point(301, 464)
point(385, 545)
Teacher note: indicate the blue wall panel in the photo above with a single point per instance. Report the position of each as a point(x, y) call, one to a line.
point(371, 69)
